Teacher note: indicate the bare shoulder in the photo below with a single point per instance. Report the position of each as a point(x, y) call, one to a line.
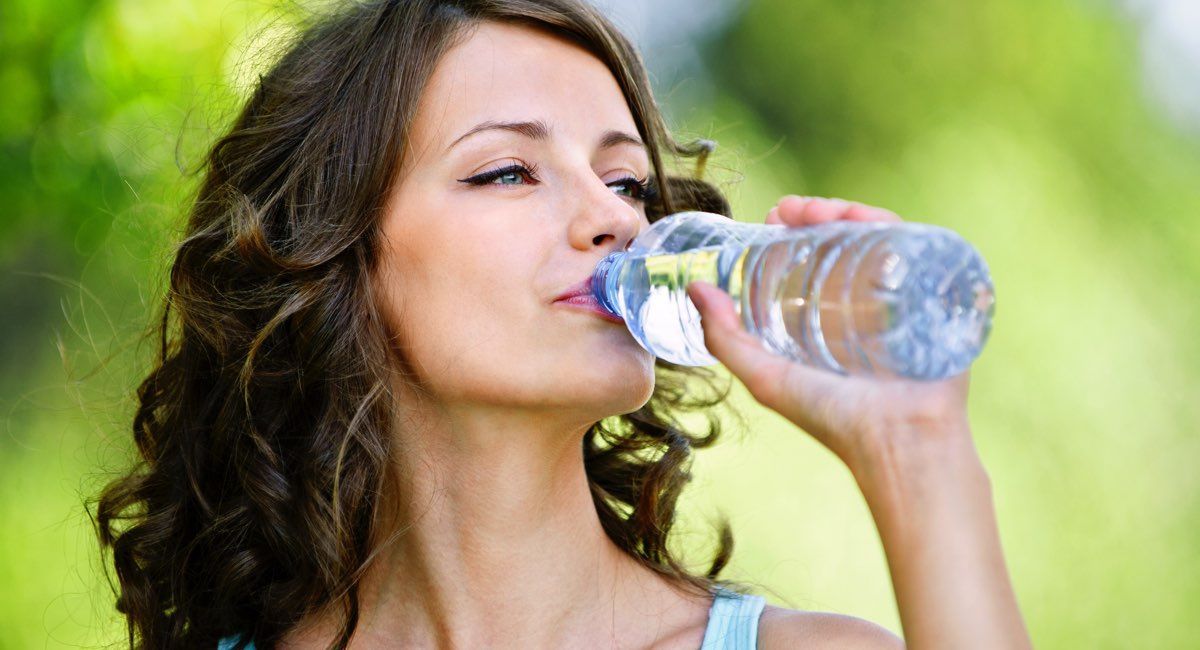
point(785, 629)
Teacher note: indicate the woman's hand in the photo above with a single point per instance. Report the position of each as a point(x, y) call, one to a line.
point(858, 418)
point(909, 447)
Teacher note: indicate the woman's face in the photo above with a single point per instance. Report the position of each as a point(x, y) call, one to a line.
point(474, 258)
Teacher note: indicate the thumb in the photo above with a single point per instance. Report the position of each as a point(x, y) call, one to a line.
point(794, 391)
point(728, 340)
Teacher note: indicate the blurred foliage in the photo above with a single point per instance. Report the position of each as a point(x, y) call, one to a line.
point(1021, 124)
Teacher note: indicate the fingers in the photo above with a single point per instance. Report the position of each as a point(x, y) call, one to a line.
point(798, 393)
point(795, 210)
point(773, 217)
point(727, 339)
point(860, 212)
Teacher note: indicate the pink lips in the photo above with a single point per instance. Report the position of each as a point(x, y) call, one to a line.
point(580, 296)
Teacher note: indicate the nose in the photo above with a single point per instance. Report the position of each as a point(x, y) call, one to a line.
point(604, 219)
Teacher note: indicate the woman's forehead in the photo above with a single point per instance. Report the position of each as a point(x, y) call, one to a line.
point(512, 73)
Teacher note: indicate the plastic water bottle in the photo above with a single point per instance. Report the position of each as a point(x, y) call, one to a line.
point(857, 298)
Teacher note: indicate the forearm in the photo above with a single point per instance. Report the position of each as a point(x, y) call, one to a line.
point(932, 503)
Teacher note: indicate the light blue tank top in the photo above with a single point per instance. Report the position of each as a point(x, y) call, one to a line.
point(732, 623)
point(230, 642)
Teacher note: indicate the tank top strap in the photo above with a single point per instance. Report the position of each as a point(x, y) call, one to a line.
point(733, 621)
point(230, 642)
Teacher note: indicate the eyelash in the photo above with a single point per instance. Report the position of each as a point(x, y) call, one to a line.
point(529, 172)
point(644, 188)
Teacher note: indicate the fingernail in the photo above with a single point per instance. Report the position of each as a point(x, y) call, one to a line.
point(696, 293)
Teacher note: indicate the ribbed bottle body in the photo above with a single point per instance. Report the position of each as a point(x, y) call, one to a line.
point(880, 299)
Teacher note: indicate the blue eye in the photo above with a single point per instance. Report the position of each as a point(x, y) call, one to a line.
point(624, 187)
point(508, 175)
point(518, 174)
point(635, 188)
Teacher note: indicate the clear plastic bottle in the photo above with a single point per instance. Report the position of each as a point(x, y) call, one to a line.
point(860, 298)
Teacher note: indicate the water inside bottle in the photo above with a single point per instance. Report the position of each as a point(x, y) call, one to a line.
point(666, 321)
point(859, 299)
point(836, 318)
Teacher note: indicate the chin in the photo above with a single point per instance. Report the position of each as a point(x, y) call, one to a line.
point(616, 393)
point(635, 392)
point(637, 366)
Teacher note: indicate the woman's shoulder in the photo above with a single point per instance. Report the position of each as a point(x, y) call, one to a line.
point(780, 628)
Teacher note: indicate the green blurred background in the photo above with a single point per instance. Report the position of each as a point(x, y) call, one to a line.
point(1056, 135)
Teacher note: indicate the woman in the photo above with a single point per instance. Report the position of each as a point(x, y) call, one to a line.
point(374, 423)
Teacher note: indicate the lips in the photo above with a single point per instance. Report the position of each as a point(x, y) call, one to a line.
point(581, 288)
point(580, 295)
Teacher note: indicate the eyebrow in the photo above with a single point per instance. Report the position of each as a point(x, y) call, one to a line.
point(614, 138)
point(538, 130)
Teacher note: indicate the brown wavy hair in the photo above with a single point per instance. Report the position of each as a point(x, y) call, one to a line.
point(263, 428)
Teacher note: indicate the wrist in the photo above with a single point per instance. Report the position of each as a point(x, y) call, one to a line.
point(917, 454)
point(932, 503)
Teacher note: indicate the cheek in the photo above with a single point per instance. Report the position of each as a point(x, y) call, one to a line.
point(469, 339)
point(465, 316)
point(459, 318)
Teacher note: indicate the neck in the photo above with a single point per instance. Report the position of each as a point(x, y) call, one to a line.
point(497, 542)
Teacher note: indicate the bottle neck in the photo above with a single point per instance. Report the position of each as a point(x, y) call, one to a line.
point(602, 288)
